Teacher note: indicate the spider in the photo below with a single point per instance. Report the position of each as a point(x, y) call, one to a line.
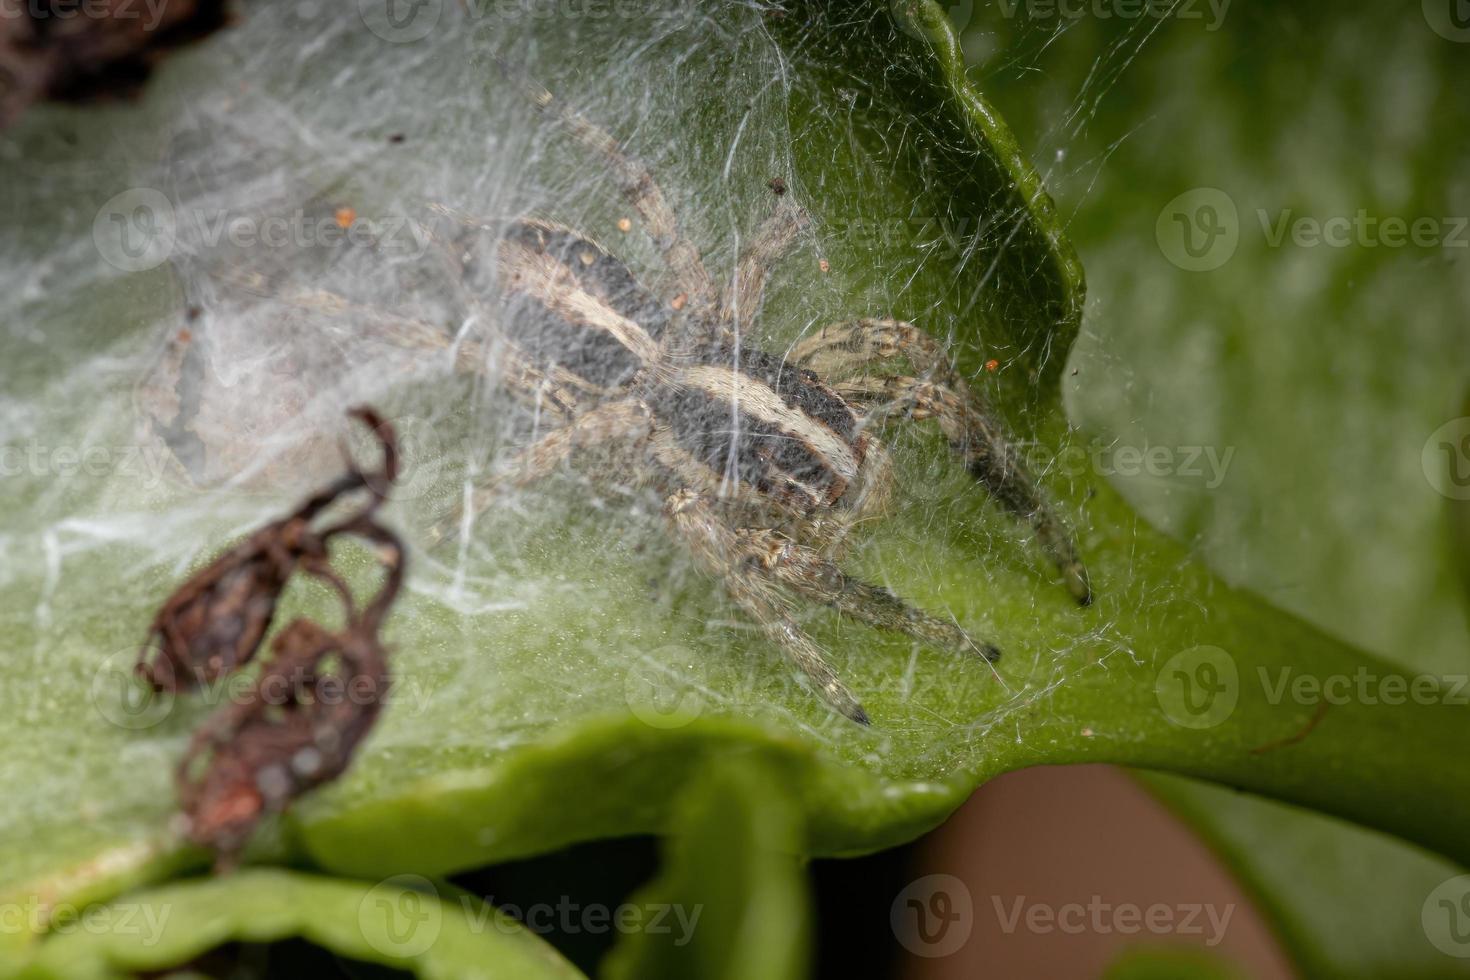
point(763, 462)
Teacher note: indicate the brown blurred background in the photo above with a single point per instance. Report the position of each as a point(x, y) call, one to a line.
point(1087, 857)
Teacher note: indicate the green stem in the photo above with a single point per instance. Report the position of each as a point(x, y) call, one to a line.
point(1223, 686)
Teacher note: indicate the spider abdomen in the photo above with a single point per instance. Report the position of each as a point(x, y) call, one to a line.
point(746, 423)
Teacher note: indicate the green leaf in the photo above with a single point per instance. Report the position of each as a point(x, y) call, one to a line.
point(1345, 902)
point(1041, 301)
point(1323, 370)
point(400, 923)
point(548, 692)
point(1457, 505)
point(1168, 963)
point(734, 863)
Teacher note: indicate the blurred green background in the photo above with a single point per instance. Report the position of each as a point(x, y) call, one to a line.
point(1320, 371)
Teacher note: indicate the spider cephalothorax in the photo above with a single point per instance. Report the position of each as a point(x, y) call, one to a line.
point(764, 462)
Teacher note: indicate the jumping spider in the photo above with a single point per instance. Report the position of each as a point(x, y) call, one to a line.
point(763, 462)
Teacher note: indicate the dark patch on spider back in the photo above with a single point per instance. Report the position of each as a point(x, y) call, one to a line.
point(799, 388)
point(598, 271)
point(751, 449)
point(592, 354)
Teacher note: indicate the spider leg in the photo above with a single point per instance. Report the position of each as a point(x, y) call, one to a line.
point(619, 421)
point(977, 435)
point(808, 573)
point(776, 234)
point(718, 548)
point(848, 349)
point(502, 359)
point(638, 186)
point(552, 389)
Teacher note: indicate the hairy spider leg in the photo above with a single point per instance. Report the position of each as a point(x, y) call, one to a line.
point(807, 572)
point(847, 349)
point(988, 454)
point(613, 422)
point(638, 185)
point(772, 239)
point(717, 548)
